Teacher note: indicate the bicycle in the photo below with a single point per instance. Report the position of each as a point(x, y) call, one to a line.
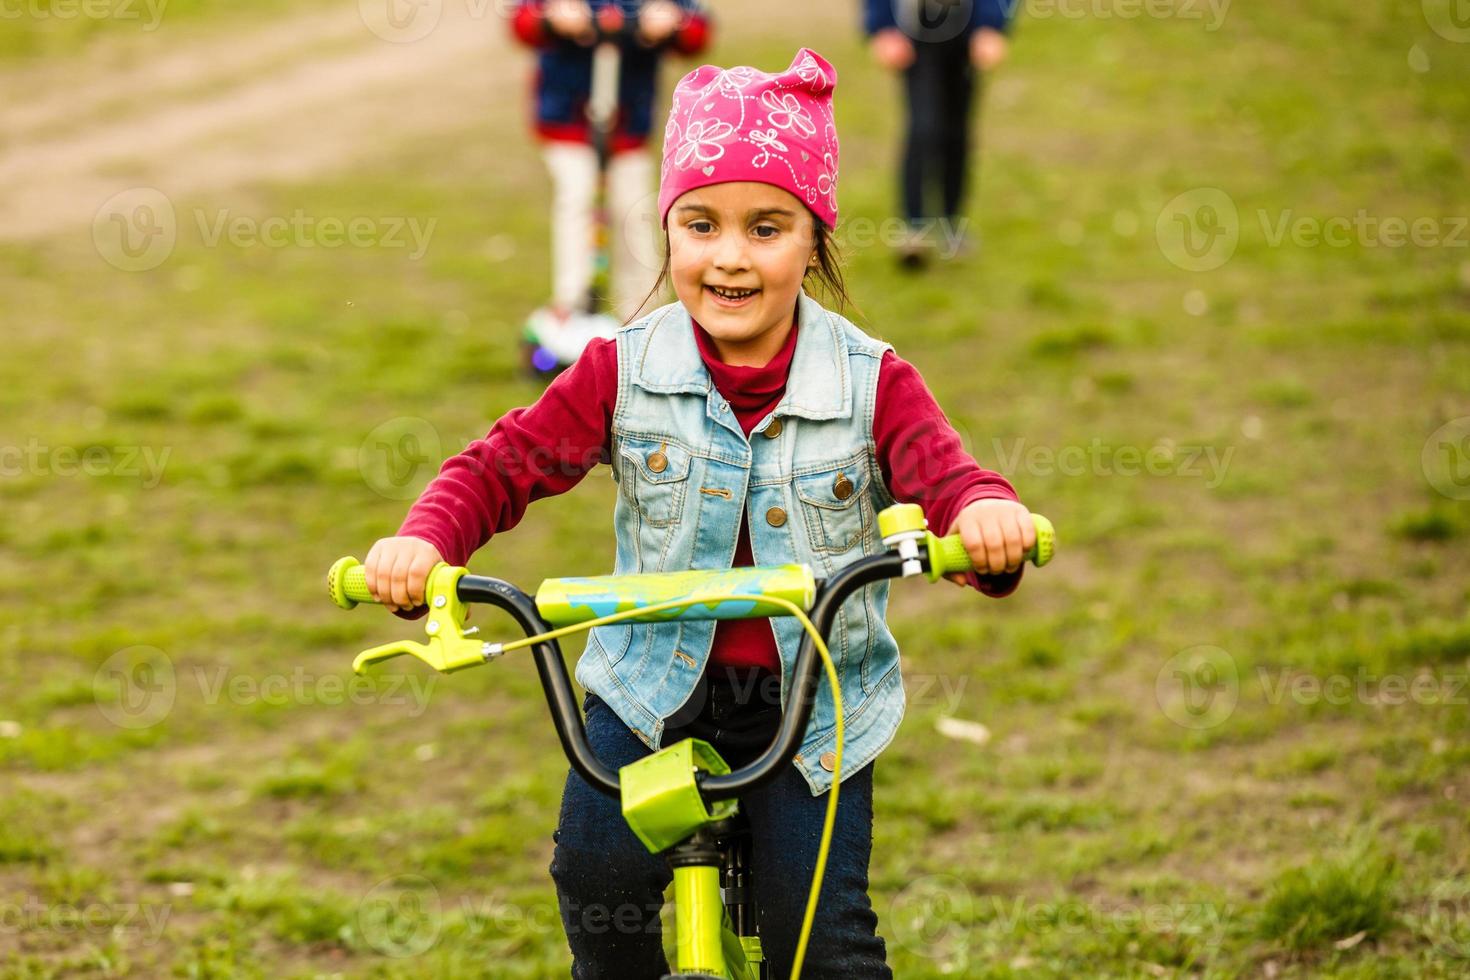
point(682, 800)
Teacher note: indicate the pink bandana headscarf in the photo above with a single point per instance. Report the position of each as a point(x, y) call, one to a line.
point(730, 124)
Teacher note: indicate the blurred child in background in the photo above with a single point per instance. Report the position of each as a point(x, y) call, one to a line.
point(941, 47)
point(564, 33)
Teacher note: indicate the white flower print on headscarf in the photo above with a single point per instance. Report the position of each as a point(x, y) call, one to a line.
point(767, 141)
point(811, 72)
point(827, 179)
point(734, 80)
point(702, 143)
point(785, 112)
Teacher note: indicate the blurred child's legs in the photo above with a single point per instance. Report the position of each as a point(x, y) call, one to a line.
point(611, 889)
point(633, 209)
point(573, 168)
point(940, 87)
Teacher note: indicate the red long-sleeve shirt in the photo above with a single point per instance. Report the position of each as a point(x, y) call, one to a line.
point(547, 448)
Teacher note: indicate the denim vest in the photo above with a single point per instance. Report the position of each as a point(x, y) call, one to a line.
point(686, 473)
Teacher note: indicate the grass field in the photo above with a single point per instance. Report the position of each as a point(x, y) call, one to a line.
point(1218, 330)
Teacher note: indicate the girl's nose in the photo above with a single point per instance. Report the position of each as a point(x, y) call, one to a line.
point(730, 254)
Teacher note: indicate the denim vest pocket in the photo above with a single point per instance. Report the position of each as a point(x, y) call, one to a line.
point(836, 517)
point(613, 640)
point(660, 478)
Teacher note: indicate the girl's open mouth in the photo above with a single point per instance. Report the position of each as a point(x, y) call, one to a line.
point(731, 298)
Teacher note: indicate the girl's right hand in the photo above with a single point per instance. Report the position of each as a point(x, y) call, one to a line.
point(398, 570)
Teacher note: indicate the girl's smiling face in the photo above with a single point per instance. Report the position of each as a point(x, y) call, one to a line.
point(738, 252)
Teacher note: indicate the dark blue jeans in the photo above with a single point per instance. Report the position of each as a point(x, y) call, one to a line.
point(611, 888)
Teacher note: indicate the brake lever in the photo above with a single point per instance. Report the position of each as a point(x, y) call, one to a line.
point(451, 646)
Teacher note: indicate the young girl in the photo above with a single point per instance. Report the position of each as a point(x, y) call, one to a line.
point(745, 424)
point(563, 33)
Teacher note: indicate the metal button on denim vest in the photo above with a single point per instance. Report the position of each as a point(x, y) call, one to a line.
point(808, 484)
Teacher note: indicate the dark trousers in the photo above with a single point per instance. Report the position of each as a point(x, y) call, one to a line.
point(611, 889)
point(940, 86)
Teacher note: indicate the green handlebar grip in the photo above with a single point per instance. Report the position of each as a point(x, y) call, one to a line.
point(948, 555)
point(347, 582)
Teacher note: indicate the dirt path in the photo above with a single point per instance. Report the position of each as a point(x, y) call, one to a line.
point(317, 92)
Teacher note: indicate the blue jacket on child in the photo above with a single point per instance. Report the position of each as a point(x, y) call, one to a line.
point(564, 72)
point(927, 19)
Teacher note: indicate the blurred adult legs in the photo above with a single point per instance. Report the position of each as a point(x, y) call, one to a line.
point(940, 87)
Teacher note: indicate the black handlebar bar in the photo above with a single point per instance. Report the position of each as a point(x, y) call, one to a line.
point(567, 716)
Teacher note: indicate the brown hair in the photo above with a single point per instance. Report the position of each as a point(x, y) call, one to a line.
point(827, 271)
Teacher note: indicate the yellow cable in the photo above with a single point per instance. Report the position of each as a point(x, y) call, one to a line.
point(821, 644)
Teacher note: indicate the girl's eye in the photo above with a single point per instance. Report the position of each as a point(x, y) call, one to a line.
point(701, 227)
point(766, 231)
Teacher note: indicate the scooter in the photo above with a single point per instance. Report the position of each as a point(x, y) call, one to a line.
point(553, 339)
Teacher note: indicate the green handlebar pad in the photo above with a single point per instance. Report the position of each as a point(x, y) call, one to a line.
point(948, 555)
point(347, 582)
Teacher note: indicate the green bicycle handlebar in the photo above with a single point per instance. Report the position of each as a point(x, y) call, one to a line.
point(947, 555)
point(347, 583)
point(565, 601)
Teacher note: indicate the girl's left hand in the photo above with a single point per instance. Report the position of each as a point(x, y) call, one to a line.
point(997, 534)
point(988, 48)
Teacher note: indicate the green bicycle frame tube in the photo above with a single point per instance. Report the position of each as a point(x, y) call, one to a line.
point(699, 921)
point(566, 601)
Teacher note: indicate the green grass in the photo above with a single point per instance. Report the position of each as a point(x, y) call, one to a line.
point(151, 619)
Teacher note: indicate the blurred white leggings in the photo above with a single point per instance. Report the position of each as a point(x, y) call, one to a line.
point(632, 217)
